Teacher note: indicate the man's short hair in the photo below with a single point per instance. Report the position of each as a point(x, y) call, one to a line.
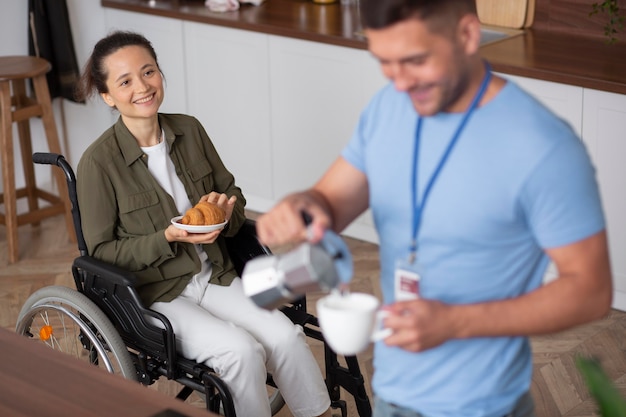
point(438, 14)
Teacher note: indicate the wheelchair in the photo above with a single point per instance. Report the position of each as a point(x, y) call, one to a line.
point(104, 323)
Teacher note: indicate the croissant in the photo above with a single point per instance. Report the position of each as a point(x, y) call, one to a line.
point(193, 216)
point(204, 214)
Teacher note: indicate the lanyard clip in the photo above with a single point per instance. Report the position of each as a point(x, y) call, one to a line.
point(412, 252)
point(412, 257)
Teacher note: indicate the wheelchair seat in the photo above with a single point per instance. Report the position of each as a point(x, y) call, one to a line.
point(104, 322)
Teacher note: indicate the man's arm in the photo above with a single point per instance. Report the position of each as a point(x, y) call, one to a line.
point(337, 199)
point(582, 293)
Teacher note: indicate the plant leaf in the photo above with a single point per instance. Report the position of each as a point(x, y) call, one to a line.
point(601, 388)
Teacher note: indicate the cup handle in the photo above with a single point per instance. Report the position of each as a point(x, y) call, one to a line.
point(380, 332)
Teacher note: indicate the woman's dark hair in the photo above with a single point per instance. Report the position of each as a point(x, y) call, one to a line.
point(94, 76)
point(379, 14)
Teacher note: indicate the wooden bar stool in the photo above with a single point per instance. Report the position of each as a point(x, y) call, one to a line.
point(16, 106)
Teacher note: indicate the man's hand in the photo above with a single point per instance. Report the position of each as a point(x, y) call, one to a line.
point(284, 224)
point(418, 325)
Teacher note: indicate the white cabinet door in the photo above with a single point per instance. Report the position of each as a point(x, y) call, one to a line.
point(228, 91)
point(318, 92)
point(604, 131)
point(166, 36)
point(317, 95)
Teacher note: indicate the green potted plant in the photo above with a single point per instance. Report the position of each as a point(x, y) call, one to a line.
point(603, 391)
point(615, 21)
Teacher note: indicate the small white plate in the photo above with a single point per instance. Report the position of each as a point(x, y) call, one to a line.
point(197, 229)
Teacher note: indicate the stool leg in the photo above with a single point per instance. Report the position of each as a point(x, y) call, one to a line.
point(23, 128)
point(43, 97)
point(8, 173)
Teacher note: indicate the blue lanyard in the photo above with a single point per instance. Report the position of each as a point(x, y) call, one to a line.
point(418, 209)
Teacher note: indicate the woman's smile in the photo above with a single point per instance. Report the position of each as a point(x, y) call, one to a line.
point(145, 100)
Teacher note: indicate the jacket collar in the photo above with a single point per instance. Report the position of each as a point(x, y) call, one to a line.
point(128, 144)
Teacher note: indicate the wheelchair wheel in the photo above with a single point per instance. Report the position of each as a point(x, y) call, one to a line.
point(67, 321)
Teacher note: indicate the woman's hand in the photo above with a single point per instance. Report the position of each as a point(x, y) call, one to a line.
point(221, 200)
point(174, 234)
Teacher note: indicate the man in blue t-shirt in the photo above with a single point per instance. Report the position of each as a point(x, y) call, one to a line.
point(474, 187)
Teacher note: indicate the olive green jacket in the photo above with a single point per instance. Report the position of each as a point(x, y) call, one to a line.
point(125, 211)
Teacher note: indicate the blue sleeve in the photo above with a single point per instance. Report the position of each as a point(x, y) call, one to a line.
point(561, 197)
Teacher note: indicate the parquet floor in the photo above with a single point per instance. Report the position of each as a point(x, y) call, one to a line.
point(46, 255)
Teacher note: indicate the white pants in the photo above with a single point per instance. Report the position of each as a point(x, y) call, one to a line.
point(224, 329)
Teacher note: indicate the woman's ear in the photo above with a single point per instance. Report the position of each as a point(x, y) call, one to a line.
point(107, 99)
point(469, 33)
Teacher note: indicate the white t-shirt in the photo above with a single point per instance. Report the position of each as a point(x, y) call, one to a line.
point(162, 169)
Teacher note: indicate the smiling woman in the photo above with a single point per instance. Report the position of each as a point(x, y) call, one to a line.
point(149, 168)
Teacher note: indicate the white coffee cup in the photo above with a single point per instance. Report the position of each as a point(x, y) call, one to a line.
point(349, 322)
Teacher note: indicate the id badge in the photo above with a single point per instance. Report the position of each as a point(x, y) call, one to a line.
point(407, 280)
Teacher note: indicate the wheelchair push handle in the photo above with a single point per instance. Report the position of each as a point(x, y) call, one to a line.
point(49, 158)
point(46, 158)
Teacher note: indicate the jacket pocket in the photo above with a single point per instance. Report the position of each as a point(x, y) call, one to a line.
point(137, 212)
point(201, 174)
point(138, 201)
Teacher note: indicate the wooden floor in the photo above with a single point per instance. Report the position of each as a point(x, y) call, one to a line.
point(46, 255)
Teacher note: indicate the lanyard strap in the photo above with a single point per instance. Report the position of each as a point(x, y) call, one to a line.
point(418, 209)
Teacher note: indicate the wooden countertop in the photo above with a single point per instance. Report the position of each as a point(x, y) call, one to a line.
point(539, 53)
point(37, 381)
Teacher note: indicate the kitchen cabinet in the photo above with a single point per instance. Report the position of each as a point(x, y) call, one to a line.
point(318, 92)
point(227, 72)
point(604, 132)
point(278, 109)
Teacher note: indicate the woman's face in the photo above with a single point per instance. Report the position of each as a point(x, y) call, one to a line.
point(134, 83)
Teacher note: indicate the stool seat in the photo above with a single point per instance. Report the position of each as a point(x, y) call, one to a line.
point(16, 106)
point(20, 67)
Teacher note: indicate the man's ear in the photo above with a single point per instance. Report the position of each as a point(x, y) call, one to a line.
point(468, 32)
point(107, 99)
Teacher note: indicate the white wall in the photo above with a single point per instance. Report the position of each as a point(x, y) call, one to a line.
point(83, 122)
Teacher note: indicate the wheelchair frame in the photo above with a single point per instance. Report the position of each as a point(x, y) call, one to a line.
point(108, 311)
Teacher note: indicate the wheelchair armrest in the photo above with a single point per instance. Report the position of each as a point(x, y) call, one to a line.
point(113, 273)
point(112, 289)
